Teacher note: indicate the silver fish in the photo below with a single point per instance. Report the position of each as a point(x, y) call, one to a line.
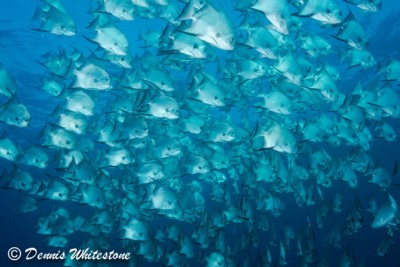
point(14, 113)
point(220, 31)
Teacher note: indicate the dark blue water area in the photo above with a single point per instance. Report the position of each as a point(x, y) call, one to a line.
point(19, 231)
point(25, 49)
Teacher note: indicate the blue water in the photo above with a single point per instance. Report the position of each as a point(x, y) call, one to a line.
point(21, 51)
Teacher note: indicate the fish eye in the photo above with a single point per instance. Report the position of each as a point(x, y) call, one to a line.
point(115, 43)
point(16, 118)
point(195, 46)
point(163, 83)
point(122, 59)
point(68, 142)
point(37, 160)
point(216, 97)
point(359, 39)
point(328, 11)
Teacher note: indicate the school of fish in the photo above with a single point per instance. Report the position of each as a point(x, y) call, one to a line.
point(189, 147)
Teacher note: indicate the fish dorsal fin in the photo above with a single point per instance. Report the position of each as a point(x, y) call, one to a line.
point(10, 102)
point(187, 12)
point(396, 168)
point(393, 202)
point(100, 21)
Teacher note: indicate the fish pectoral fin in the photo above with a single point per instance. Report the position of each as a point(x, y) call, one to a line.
point(244, 45)
point(39, 30)
point(187, 32)
point(357, 65)
point(167, 52)
point(90, 40)
point(298, 14)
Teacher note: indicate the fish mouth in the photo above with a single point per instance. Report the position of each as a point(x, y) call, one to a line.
point(119, 52)
point(228, 47)
point(199, 54)
point(68, 33)
point(224, 44)
point(172, 116)
point(333, 20)
point(26, 122)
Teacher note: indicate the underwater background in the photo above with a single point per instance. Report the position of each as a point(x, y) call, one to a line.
point(204, 133)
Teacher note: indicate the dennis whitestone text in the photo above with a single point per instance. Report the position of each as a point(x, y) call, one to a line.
point(73, 254)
